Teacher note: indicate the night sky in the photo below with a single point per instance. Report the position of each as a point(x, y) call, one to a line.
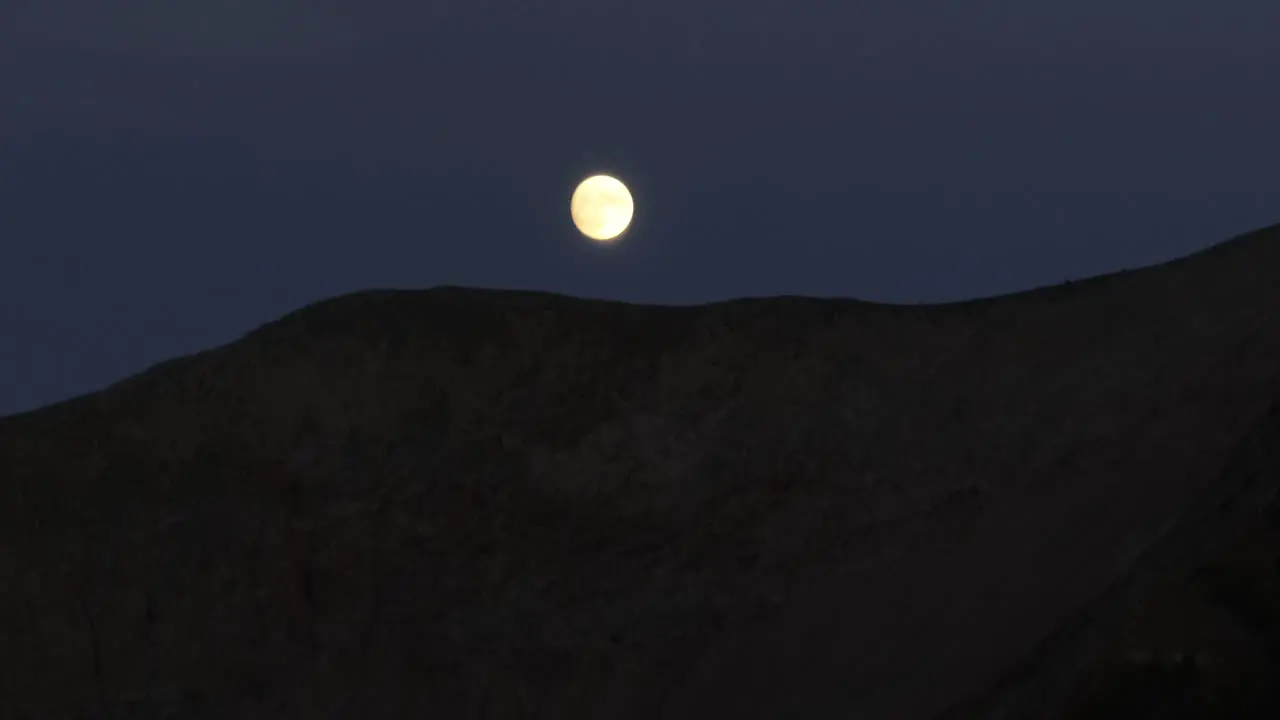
point(174, 174)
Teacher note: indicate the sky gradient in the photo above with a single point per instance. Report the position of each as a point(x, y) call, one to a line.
point(173, 175)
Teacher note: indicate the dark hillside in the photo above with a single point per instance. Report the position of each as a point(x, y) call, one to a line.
point(465, 503)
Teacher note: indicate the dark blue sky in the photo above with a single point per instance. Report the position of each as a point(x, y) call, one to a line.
point(173, 174)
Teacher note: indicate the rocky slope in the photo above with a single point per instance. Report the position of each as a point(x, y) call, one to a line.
point(463, 503)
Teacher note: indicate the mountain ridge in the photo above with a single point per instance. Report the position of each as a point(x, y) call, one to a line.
point(582, 508)
point(1045, 292)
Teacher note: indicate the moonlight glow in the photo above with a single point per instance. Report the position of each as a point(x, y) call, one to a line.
point(601, 207)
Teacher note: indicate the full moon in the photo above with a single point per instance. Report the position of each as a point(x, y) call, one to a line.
point(601, 207)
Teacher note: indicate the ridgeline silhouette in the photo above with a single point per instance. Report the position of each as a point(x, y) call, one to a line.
point(459, 503)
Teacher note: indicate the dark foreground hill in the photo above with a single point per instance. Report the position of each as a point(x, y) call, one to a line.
point(469, 504)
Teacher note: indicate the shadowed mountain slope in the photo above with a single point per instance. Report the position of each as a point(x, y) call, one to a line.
point(465, 503)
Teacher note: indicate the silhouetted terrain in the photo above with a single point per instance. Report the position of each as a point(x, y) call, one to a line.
point(477, 504)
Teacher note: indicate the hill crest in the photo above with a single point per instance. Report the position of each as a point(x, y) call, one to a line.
point(487, 503)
